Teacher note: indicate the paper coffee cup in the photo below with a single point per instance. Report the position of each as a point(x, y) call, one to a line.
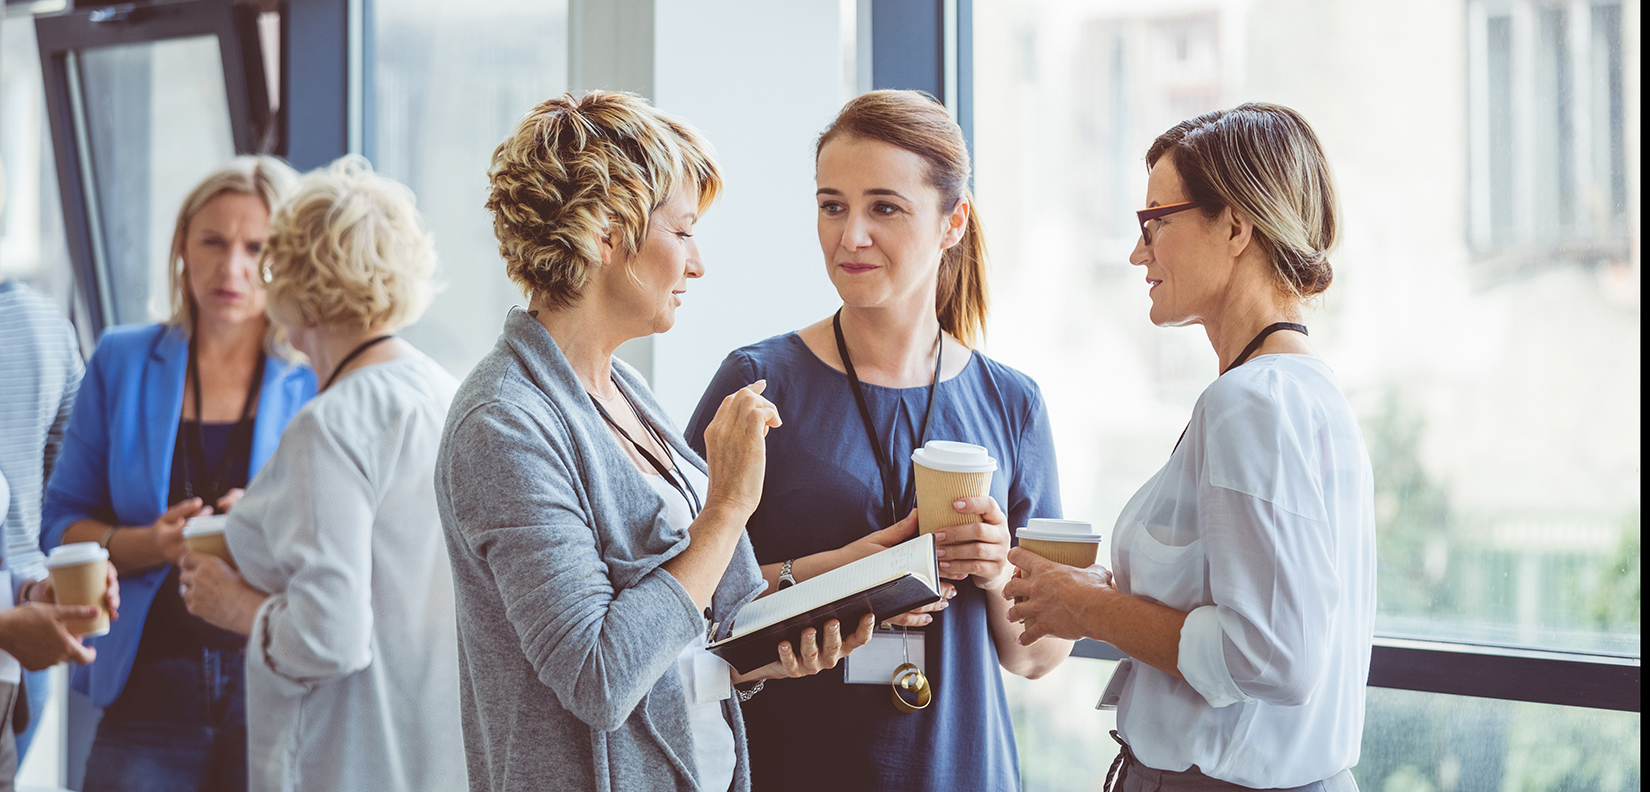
point(205, 535)
point(946, 471)
point(1070, 542)
point(80, 576)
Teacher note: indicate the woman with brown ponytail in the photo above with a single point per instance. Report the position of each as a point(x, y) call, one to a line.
point(860, 390)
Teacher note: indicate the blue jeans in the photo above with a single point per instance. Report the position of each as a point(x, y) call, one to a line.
point(179, 725)
point(37, 684)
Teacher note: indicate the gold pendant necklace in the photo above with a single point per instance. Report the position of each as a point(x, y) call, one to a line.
point(910, 679)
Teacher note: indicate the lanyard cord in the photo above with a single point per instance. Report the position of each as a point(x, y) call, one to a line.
point(683, 488)
point(196, 445)
point(885, 464)
point(1243, 357)
point(354, 353)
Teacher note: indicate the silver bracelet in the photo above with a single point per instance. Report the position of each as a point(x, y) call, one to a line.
point(745, 695)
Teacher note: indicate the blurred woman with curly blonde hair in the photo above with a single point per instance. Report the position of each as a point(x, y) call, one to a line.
point(342, 583)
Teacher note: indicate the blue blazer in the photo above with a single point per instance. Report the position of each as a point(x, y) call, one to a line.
point(116, 465)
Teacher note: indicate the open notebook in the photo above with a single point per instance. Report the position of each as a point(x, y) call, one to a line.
point(887, 584)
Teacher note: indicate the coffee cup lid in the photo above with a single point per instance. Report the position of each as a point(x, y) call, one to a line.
point(201, 526)
point(1045, 530)
point(76, 553)
point(953, 457)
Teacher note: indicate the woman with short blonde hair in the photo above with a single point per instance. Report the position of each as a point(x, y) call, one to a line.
point(594, 553)
point(341, 580)
point(182, 414)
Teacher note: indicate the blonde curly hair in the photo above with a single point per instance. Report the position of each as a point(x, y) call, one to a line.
point(576, 170)
point(348, 249)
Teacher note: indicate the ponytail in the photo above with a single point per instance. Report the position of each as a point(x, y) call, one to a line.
point(962, 296)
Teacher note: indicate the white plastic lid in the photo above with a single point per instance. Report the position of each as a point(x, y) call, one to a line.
point(954, 457)
point(76, 553)
point(202, 526)
point(1059, 531)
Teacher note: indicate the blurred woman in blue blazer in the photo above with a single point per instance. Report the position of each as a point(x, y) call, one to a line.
point(172, 421)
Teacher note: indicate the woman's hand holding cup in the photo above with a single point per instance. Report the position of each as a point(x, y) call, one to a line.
point(1054, 599)
point(736, 450)
point(214, 591)
point(976, 550)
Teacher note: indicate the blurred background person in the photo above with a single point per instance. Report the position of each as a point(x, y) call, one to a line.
point(352, 667)
point(594, 553)
point(904, 247)
point(1243, 573)
point(172, 420)
point(41, 359)
point(33, 637)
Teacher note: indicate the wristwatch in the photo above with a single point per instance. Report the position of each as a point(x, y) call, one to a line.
point(785, 578)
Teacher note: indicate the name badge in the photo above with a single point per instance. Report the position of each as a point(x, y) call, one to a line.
point(706, 678)
point(874, 663)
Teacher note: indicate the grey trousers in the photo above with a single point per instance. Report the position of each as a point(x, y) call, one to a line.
point(1141, 778)
point(8, 738)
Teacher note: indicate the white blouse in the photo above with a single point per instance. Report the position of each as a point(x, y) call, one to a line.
point(352, 665)
point(706, 679)
point(1262, 526)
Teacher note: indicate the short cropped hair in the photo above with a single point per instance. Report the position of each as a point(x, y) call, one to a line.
point(261, 175)
point(575, 170)
point(348, 249)
point(1264, 161)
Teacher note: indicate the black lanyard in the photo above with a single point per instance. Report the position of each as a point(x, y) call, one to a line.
point(195, 448)
point(353, 353)
point(1243, 357)
point(670, 474)
point(885, 464)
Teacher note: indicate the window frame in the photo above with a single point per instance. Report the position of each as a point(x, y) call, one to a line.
point(64, 36)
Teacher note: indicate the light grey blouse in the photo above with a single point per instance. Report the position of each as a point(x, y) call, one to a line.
point(352, 665)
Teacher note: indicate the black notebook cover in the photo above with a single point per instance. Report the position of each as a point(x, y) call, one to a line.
point(749, 652)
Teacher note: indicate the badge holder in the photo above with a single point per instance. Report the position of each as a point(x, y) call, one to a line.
point(908, 679)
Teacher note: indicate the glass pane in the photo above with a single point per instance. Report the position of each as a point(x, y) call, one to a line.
point(1064, 743)
point(32, 246)
point(451, 80)
point(157, 119)
point(1425, 742)
point(1498, 388)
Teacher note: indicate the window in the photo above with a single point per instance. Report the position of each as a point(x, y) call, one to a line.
point(450, 81)
point(31, 220)
point(1548, 132)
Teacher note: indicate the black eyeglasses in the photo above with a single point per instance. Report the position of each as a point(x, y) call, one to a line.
point(1147, 215)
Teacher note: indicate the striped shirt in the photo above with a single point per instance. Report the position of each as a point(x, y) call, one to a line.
point(40, 370)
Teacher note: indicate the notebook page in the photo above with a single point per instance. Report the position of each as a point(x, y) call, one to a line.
point(915, 556)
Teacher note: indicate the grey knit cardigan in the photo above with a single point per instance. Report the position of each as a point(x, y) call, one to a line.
point(568, 630)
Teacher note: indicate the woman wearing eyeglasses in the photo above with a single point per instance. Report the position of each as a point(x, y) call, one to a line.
point(1242, 578)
